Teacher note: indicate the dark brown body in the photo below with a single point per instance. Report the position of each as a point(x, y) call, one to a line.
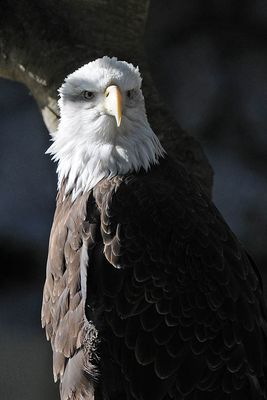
point(149, 295)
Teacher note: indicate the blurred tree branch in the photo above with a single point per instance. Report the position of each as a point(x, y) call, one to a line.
point(41, 42)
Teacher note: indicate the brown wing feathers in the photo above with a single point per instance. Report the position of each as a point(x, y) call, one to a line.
point(63, 304)
point(181, 316)
point(188, 318)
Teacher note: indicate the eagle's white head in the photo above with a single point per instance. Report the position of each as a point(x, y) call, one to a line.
point(103, 129)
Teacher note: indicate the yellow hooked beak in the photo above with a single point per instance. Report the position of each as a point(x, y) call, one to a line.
point(113, 102)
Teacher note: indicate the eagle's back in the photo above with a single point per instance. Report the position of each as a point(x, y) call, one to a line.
point(150, 293)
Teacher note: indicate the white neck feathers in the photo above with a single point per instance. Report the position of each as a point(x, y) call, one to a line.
point(86, 156)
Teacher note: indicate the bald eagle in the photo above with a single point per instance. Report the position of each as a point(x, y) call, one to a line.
point(148, 293)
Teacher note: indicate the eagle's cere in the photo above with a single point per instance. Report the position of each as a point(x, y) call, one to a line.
point(148, 294)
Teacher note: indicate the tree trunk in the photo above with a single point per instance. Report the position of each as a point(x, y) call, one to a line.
point(41, 42)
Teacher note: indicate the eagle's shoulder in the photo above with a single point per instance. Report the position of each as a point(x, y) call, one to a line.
point(145, 192)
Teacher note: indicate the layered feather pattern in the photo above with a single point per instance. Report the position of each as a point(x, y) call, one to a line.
point(173, 303)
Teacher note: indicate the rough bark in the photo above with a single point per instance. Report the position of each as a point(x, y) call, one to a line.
point(41, 42)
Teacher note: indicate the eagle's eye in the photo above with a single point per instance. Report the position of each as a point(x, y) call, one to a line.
point(130, 94)
point(87, 95)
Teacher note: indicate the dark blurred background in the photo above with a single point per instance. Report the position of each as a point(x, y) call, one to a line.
point(209, 60)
